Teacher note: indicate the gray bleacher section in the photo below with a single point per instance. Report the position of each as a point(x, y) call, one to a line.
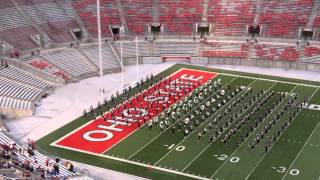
point(15, 28)
point(20, 90)
point(109, 61)
point(18, 75)
point(55, 18)
point(8, 102)
point(41, 159)
point(158, 48)
point(70, 61)
point(129, 49)
point(313, 59)
point(49, 12)
point(10, 19)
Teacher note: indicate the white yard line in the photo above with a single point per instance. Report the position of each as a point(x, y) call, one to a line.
point(184, 139)
point(301, 84)
point(269, 151)
point(253, 133)
point(305, 144)
point(98, 117)
point(156, 167)
point(153, 139)
point(134, 163)
point(227, 129)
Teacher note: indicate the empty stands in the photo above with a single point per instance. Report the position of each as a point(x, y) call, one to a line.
point(179, 16)
point(20, 37)
point(87, 10)
point(229, 17)
point(47, 67)
point(6, 4)
point(14, 103)
point(109, 61)
point(277, 52)
point(138, 13)
point(60, 31)
point(70, 61)
point(311, 51)
point(55, 18)
point(224, 50)
point(129, 49)
point(158, 48)
point(20, 90)
point(15, 28)
point(311, 54)
point(284, 18)
point(16, 90)
point(175, 47)
point(18, 75)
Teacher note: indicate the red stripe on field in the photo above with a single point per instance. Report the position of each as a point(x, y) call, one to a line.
point(76, 140)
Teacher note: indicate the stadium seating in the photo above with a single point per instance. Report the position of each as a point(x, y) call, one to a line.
point(18, 75)
point(311, 55)
point(6, 4)
point(20, 90)
point(14, 103)
point(47, 67)
point(138, 13)
point(56, 18)
point(20, 37)
point(41, 160)
point(170, 47)
point(13, 89)
point(158, 48)
point(70, 61)
point(311, 51)
point(284, 18)
point(16, 29)
point(59, 32)
point(277, 52)
point(32, 2)
point(230, 18)
point(129, 49)
point(180, 16)
point(87, 11)
point(109, 61)
point(224, 50)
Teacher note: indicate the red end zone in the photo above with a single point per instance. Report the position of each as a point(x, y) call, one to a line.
point(100, 135)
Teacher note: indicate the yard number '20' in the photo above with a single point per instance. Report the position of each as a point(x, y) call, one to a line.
point(224, 157)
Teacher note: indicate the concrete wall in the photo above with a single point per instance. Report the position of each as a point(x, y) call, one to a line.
point(16, 113)
point(267, 64)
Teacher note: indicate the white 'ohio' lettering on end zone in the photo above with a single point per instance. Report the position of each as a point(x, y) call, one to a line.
point(101, 134)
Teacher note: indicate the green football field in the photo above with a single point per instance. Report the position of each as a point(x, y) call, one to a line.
point(293, 152)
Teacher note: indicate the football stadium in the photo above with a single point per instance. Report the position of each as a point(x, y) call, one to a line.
point(160, 89)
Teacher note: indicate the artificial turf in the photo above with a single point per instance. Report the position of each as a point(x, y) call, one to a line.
point(291, 157)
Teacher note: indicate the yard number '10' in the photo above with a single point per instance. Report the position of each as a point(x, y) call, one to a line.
point(178, 148)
